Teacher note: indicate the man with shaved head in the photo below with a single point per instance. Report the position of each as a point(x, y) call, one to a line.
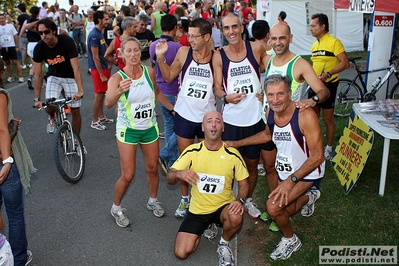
point(212, 200)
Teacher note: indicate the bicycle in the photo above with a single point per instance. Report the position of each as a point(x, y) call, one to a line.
point(69, 153)
point(349, 92)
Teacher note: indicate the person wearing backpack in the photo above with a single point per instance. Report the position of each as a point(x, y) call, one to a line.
point(77, 28)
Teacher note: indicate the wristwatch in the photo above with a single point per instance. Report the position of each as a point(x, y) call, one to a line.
point(224, 100)
point(8, 160)
point(329, 75)
point(36, 99)
point(294, 179)
point(315, 98)
point(242, 200)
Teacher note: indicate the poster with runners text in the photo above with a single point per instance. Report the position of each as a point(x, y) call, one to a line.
point(352, 152)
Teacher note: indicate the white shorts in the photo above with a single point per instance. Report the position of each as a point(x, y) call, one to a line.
point(31, 47)
point(55, 85)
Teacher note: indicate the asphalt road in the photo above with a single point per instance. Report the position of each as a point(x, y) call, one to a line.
point(71, 224)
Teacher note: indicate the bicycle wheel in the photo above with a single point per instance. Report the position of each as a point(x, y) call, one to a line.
point(69, 157)
point(348, 93)
point(395, 92)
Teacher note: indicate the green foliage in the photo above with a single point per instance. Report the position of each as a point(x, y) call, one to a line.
point(10, 6)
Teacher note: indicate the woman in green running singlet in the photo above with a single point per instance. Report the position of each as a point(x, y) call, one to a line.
point(134, 90)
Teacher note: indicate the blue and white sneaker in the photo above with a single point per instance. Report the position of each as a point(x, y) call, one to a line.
point(226, 257)
point(285, 248)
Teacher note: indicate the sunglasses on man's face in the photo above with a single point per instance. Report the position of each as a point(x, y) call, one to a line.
point(45, 32)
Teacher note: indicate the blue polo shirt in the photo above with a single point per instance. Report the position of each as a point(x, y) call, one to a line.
point(96, 39)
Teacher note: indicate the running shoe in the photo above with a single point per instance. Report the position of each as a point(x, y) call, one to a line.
point(226, 257)
point(261, 172)
point(29, 81)
point(285, 248)
point(51, 125)
point(162, 135)
point(211, 232)
point(327, 154)
point(273, 227)
point(23, 66)
point(97, 125)
point(181, 211)
point(10, 79)
point(29, 257)
point(105, 120)
point(252, 209)
point(308, 209)
point(120, 218)
point(163, 166)
point(156, 208)
point(264, 216)
point(21, 80)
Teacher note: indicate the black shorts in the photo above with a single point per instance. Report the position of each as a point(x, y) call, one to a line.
point(316, 182)
point(236, 133)
point(9, 53)
point(187, 129)
point(268, 146)
point(330, 102)
point(198, 223)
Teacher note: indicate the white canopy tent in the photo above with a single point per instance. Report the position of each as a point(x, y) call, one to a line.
point(346, 26)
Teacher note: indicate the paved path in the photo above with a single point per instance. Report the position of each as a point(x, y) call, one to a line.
point(71, 224)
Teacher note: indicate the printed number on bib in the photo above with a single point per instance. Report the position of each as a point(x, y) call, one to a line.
point(210, 184)
point(6, 38)
point(197, 89)
point(143, 111)
point(284, 163)
point(243, 86)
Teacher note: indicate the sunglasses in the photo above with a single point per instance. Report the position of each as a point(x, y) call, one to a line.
point(45, 32)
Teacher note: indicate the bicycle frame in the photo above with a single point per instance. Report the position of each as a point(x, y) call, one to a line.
point(390, 70)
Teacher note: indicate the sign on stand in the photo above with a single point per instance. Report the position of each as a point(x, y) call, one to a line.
point(351, 154)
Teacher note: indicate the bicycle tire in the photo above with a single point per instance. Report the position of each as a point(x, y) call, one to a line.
point(70, 163)
point(395, 92)
point(348, 93)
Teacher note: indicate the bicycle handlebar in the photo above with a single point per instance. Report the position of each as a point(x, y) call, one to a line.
point(54, 101)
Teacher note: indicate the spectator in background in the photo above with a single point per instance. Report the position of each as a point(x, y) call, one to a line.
point(145, 37)
point(183, 28)
point(108, 31)
point(77, 28)
point(329, 59)
point(124, 12)
point(51, 12)
point(281, 17)
point(156, 19)
point(215, 17)
point(251, 22)
point(148, 11)
point(9, 48)
point(23, 41)
point(216, 34)
point(196, 12)
point(99, 69)
point(43, 10)
point(16, 168)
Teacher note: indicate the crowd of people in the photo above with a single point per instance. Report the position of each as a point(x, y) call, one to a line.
point(186, 56)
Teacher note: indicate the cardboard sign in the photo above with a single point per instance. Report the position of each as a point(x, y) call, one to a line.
point(351, 154)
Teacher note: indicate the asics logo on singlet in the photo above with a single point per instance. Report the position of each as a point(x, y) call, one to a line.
point(210, 179)
point(242, 82)
point(282, 158)
point(142, 106)
point(198, 85)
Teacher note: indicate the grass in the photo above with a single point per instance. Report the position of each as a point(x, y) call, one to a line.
point(360, 218)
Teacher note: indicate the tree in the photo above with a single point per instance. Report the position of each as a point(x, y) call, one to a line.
point(10, 6)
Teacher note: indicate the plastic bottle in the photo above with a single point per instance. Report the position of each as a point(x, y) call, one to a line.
point(376, 82)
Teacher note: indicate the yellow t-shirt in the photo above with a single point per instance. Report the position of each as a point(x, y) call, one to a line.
point(217, 170)
point(324, 55)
